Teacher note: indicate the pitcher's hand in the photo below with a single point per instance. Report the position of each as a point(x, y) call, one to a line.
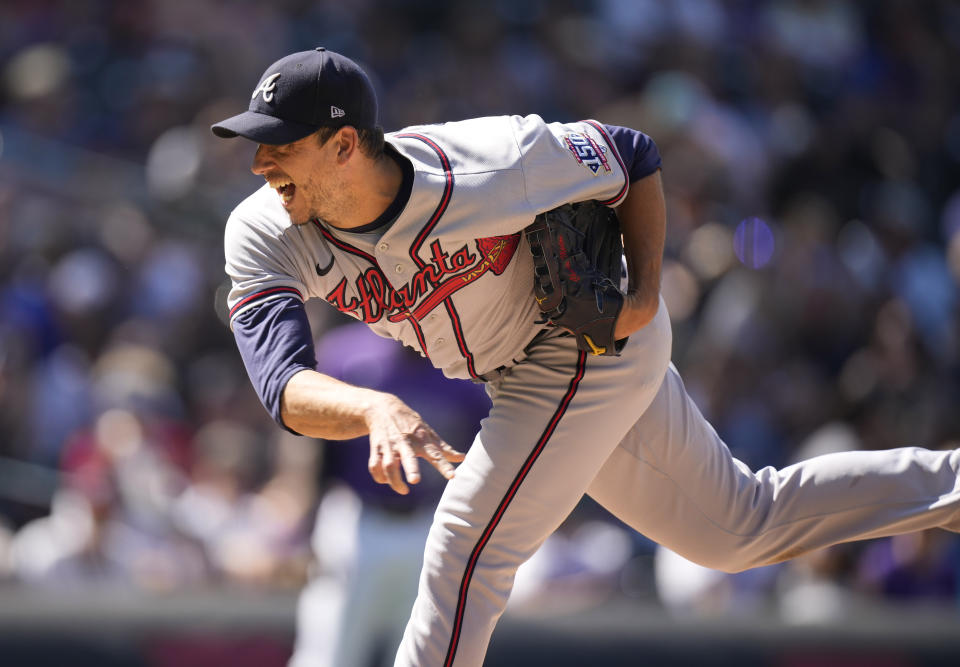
point(398, 435)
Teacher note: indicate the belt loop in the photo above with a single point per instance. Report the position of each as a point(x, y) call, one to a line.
point(502, 371)
point(496, 374)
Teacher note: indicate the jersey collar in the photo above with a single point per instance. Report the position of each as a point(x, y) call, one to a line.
point(392, 211)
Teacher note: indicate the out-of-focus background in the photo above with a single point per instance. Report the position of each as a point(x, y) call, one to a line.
point(152, 514)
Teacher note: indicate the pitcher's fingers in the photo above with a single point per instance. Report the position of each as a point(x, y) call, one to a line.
point(411, 469)
point(446, 451)
point(440, 459)
point(394, 477)
point(375, 467)
point(451, 454)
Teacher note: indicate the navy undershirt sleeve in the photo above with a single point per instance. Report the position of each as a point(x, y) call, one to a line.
point(275, 342)
point(639, 152)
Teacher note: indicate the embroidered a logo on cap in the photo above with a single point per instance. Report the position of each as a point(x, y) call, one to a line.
point(337, 112)
point(267, 86)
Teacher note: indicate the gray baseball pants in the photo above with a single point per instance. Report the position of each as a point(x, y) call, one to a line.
point(623, 430)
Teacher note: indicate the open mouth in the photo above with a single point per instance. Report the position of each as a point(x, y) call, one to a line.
point(286, 192)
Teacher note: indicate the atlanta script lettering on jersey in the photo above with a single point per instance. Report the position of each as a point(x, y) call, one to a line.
point(434, 282)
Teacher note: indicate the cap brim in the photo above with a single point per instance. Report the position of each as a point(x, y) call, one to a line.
point(261, 128)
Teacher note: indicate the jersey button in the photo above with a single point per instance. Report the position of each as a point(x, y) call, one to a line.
point(440, 341)
point(384, 247)
point(399, 268)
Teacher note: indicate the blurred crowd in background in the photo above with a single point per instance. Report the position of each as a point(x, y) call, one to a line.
point(811, 153)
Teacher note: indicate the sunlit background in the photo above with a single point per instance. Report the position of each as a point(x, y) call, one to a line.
point(152, 514)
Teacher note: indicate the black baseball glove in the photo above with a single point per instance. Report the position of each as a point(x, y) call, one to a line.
point(577, 251)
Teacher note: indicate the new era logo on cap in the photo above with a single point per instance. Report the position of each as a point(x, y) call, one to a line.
point(301, 93)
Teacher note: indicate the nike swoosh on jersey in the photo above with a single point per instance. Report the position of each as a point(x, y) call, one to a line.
point(325, 270)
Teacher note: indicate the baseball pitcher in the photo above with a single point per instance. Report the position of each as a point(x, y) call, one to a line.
point(492, 247)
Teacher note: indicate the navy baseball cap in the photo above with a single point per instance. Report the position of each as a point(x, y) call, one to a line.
point(301, 93)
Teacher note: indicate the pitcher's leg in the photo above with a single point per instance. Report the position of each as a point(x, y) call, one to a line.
point(507, 497)
point(554, 421)
point(674, 480)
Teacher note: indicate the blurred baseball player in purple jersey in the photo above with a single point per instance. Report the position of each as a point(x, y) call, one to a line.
point(368, 540)
point(419, 235)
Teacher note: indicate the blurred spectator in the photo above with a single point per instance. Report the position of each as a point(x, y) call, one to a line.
point(913, 568)
point(579, 566)
point(254, 531)
point(109, 524)
point(814, 588)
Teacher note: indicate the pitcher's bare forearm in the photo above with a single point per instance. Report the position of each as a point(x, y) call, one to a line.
point(320, 406)
point(643, 224)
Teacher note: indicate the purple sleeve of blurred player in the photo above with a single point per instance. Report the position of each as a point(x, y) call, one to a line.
point(354, 354)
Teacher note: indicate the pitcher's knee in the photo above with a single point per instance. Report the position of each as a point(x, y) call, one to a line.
point(736, 556)
point(727, 564)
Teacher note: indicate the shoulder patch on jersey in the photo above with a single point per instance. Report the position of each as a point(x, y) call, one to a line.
point(587, 152)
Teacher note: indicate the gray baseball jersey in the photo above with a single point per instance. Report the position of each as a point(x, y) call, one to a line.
point(449, 275)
